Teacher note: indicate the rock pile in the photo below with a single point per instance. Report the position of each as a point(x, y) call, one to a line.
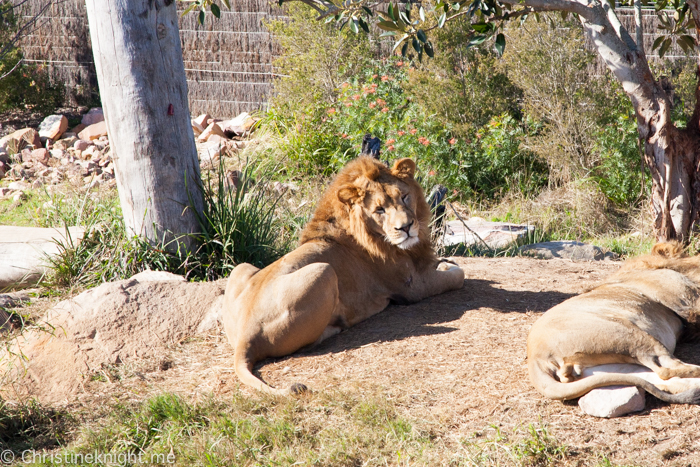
point(53, 153)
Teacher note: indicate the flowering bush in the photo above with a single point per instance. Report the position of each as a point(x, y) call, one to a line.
point(485, 165)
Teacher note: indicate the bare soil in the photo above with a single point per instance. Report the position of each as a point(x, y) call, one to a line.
point(456, 361)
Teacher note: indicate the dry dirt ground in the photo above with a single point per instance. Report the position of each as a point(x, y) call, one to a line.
point(457, 360)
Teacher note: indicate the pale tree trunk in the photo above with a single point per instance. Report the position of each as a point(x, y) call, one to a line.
point(141, 76)
point(670, 153)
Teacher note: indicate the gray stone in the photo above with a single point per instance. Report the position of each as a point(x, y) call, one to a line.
point(23, 252)
point(575, 251)
point(494, 234)
point(148, 276)
point(94, 115)
point(613, 401)
point(53, 127)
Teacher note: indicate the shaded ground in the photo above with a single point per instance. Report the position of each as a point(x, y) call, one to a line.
point(456, 361)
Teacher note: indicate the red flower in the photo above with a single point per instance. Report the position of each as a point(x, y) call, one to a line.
point(424, 141)
point(345, 85)
point(385, 78)
point(453, 141)
point(331, 111)
point(390, 147)
point(381, 102)
point(348, 104)
point(401, 132)
point(374, 77)
point(385, 109)
point(356, 97)
point(344, 136)
point(372, 105)
point(431, 173)
point(390, 141)
point(399, 63)
point(413, 131)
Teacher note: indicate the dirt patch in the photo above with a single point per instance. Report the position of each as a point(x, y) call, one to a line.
point(456, 361)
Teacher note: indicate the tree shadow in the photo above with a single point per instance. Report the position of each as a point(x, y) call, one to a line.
point(430, 316)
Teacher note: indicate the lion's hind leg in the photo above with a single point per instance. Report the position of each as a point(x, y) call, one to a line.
point(666, 366)
point(292, 312)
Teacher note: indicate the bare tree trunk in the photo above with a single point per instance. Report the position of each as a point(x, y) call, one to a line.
point(141, 75)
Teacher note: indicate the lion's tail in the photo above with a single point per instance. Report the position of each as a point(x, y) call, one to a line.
point(244, 371)
point(553, 389)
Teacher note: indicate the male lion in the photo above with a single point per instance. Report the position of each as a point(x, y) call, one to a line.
point(368, 243)
point(633, 318)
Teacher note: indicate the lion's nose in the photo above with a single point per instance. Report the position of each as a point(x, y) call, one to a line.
point(405, 227)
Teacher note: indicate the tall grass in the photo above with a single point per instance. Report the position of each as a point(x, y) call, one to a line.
point(241, 223)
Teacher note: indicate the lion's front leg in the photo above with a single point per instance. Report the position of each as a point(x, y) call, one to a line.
point(445, 277)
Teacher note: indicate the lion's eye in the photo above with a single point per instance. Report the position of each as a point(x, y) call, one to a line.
point(379, 210)
point(404, 198)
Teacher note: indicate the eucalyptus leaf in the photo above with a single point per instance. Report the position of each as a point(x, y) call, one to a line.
point(416, 45)
point(477, 40)
point(657, 42)
point(500, 44)
point(388, 26)
point(421, 13)
point(421, 36)
point(202, 14)
point(664, 47)
point(441, 21)
point(429, 49)
point(215, 10)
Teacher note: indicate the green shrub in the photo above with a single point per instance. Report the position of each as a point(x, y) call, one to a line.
point(325, 137)
point(22, 86)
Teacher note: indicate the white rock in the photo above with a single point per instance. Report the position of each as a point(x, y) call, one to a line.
point(18, 186)
point(613, 401)
point(148, 276)
point(94, 115)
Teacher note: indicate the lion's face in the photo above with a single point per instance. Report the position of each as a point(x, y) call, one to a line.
point(384, 205)
point(389, 212)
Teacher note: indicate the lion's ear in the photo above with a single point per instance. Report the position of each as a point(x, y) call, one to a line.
point(350, 195)
point(668, 250)
point(404, 168)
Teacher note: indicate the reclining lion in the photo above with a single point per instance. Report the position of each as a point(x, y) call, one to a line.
point(367, 244)
point(635, 317)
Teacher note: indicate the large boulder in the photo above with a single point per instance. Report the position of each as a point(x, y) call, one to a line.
point(477, 231)
point(113, 324)
point(24, 250)
point(53, 127)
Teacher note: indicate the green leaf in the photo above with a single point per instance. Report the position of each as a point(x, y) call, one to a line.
point(367, 10)
point(687, 42)
point(441, 21)
point(398, 43)
point(404, 17)
point(343, 25)
point(664, 47)
point(202, 13)
point(416, 45)
point(500, 44)
point(354, 26)
point(388, 26)
point(564, 15)
point(429, 49)
point(215, 10)
point(404, 49)
point(392, 13)
point(657, 42)
point(331, 18)
point(612, 4)
point(455, 6)
point(364, 25)
point(188, 9)
point(388, 34)
point(476, 40)
point(421, 36)
point(483, 28)
point(226, 2)
point(421, 13)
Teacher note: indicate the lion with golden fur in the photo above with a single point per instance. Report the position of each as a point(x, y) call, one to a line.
point(601, 338)
point(367, 244)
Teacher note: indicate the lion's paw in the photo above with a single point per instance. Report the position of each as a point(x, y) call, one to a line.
point(447, 266)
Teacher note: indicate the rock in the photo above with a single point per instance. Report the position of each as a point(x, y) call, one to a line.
point(213, 129)
point(575, 251)
point(613, 401)
point(88, 153)
point(209, 151)
point(115, 323)
point(4, 192)
point(21, 138)
point(18, 186)
point(65, 142)
point(238, 126)
point(94, 115)
point(38, 155)
point(94, 131)
point(53, 127)
point(78, 128)
point(150, 276)
point(23, 252)
point(81, 145)
point(19, 196)
point(201, 121)
point(197, 129)
point(57, 153)
point(495, 234)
